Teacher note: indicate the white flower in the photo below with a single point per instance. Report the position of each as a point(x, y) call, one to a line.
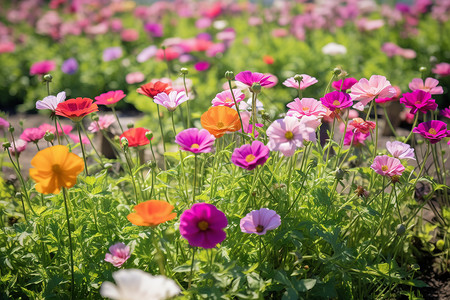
point(334, 49)
point(51, 102)
point(400, 150)
point(248, 105)
point(134, 284)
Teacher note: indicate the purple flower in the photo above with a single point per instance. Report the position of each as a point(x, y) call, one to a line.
point(249, 78)
point(32, 135)
point(195, 140)
point(202, 66)
point(336, 101)
point(418, 100)
point(147, 53)
point(112, 53)
point(250, 156)
point(348, 83)
point(119, 254)
point(202, 225)
point(70, 66)
point(172, 100)
point(259, 221)
point(51, 102)
point(42, 67)
point(434, 131)
point(154, 29)
point(3, 124)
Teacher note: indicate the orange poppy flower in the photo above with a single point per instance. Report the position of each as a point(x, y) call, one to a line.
point(219, 120)
point(152, 213)
point(76, 109)
point(152, 89)
point(136, 136)
point(55, 167)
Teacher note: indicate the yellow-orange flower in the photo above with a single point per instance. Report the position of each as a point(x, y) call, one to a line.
point(152, 213)
point(55, 167)
point(219, 120)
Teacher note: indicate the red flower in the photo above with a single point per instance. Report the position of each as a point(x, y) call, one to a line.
point(76, 109)
point(136, 137)
point(154, 88)
point(268, 59)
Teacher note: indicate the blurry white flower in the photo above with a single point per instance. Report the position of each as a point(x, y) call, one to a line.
point(334, 49)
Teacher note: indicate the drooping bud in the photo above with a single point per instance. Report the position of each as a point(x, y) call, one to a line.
point(94, 117)
point(229, 75)
point(337, 71)
point(124, 142)
point(130, 125)
point(6, 145)
point(49, 136)
point(298, 78)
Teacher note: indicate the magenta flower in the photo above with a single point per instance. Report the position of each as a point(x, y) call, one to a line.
point(418, 100)
point(442, 69)
point(202, 225)
point(250, 156)
point(120, 253)
point(42, 67)
point(445, 113)
point(110, 98)
point(195, 140)
point(400, 150)
point(366, 90)
point(336, 101)
point(103, 123)
point(434, 131)
point(249, 78)
point(306, 107)
point(306, 81)
point(171, 100)
point(32, 135)
point(259, 221)
point(18, 147)
point(429, 86)
point(202, 66)
point(355, 138)
point(348, 83)
point(51, 102)
point(225, 98)
point(387, 166)
point(286, 135)
point(154, 29)
point(3, 124)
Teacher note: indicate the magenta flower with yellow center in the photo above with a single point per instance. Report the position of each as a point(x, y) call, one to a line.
point(336, 101)
point(250, 156)
point(434, 130)
point(195, 140)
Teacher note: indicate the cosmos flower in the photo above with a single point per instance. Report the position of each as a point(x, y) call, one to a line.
point(42, 67)
point(306, 107)
point(152, 89)
point(306, 82)
point(152, 213)
point(103, 123)
point(32, 134)
point(76, 109)
point(249, 78)
point(433, 130)
point(400, 150)
point(136, 137)
point(225, 98)
point(336, 101)
point(387, 166)
point(119, 254)
point(110, 98)
point(418, 101)
point(219, 120)
point(366, 90)
point(430, 85)
point(171, 100)
point(51, 102)
point(250, 156)
point(195, 140)
point(259, 221)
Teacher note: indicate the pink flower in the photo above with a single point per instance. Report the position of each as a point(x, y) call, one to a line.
point(259, 221)
point(171, 100)
point(51, 102)
point(387, 166)
point(76, 139)
point(366, 90)
point(195, 140)
point(359, 125)
point(348, 83)
point(134, 77)
point(248, 78)
point(418, 100)
point(286, 135)
point(398, 92)
point(17, 147)
point(225, 98)
point(47, 127)
point(3, 124)
point(445, 113)
point(306, 107)
point(120, 253)
point(169, 54)
point(442, 69)
point(129, 35)
point(42, 67)
point(336, 101)
point(430, 86)
point(434, 131)
point(32, 135)
point(306, 81)
point(400, 150)
point(103, 123)
point(202, 66)
point(355, 138)
point(249, 157)
point(248, 128)
point(110, 98)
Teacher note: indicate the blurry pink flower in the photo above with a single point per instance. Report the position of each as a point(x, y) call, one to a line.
point(442, 69)
point(147, 53)
point(406, 116)
point(306, 107)
point(259, 221)
point(248, 128)
point(215, 49)
point(3, 124)
point(32, 135)
point(369, 25)
point(407, 53)
point(366, 90)
point(6, 47)
point(429, 86)
point(273, 79)
point(129, 35)
point(171, 100)
point(42, 67)
point(120, 253)
point(103, 123)
point(445, 113)
point(51, 102)
point(306, 81)
point(400, 150)
point(75, 138)
point(387, 166)
point(398, 92)
point(202, 66)
point(135, 77)
point(390, 49)
point(169, 54)
point(17, 147)
point(154, 29)
point(279, 32)
point(116, 25)
point(47, 127)
point(203, 23)
point(225, 98)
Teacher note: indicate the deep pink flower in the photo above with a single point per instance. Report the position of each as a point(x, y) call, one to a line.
point(387, 166)
point(225, 98)
point(434, 130)
point(110, 98)
point(400, 150)
point(445, 113)
point(429, 86)
point(442, 69)
point(51, 102)
point(120, 253)
point(249, 78)
point(154, 29)
point(250, 156)
point(169, 54)
point(286, 135)
point(366, 90)
point(336, 101)
point(306, 81)
point(202, 225)
point(306, 107)
point(171, 100)
point(3, 124)
point(195, 140)
point(42, 67)
point(355, 138)
point(32, 135)
point(202, 66)
point(418, 100)
point(103, 123)
point(348, 83)
point(259, 221)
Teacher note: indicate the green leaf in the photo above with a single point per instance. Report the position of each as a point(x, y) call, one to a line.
point(305, 284)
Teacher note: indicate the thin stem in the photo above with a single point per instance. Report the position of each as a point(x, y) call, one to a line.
point(237, 108)
point(162, 136)
point(192, 267)
point(131, 175)
point(92, 144)
point(412, 128)
point(82, 149)
point(376, 129)
point(388, 121)
point(117, 118)
point(195, 178)
point(72, 285)
point(187, 102)
point(253, 114)
point(181, 158)
point(57, 134)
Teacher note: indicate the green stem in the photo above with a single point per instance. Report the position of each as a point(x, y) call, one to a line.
point(72, 285)
point(192, 267)
point(187, 102)
point(412, 128)
point(195, 178)
point(92, 144)
point(388, 121)
point(253, 114)
point(162, 136)
point(117, 118)
point(181, 158)
point(56, 133)
point(131, 175)
point(82, 149)
point(237, 108)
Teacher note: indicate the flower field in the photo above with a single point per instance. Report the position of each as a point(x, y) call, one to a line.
point(285, 150)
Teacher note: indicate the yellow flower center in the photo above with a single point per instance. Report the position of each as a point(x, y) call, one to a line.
point(110, 99)
point(195, 146)
point(56, 168)
point(203, 225)
point(336, 103)
point(432, 131)
point(220, 125)
point(305, 108)
point(228, 100)
point(259, 228)
point(384, 168)
point(289, 135)
point(249, 158)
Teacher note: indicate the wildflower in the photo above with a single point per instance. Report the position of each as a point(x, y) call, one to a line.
point(112, 53)
point(304, 83)
point(418, 100)
point(154, 29)
point(336, 101)
point(355, 138)
point(202, 66)
point(306, 107)
point(137, 284)
point(219, 120)
point(195, 140)
point(202, 225)
point(171, 100)
point(32, 135)
point(42, 67)
point(442, 69)
point(285, 135)
point(103, 123)
point(146, 54)
point(136, 137)
point(430, 86)
point(51, 102)
point(250, 156)
point(55, 167)
point(361, 192)
point(269, 60)
point(345, 85)
point(129, 35)
point(387, 166)
point(398, 92)
point(3, 124)
point(66, 129)
point(445, 113)
point(362, 126)
point(400, 150)
point(134, 77)
point(259, 221)
point(70, 66)
point(333, 49)
point(76, 139)
point(110, 98)
point(225, 98)
point(76, 109)
point(120, 253)
point(18, 147)
point(366, 90)
point(154, 88)
point(249, 78)
point(152, 213)
point(434, 130)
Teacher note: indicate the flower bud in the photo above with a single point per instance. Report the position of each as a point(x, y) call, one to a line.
point(18, 195)
point(149, 135)
point(422, 69)
point(116, 139)
point(337, 71)
point(130, 125)
point(49, 136)
point(11, 129)
point(440, 244)
point(107, 166)
point(6, 145)
point(124, 142)
point(94, 117)
point(339, 174)
point(400, 229)
point(229, 75)
point(184, 71)
point(298, 78)
point(395, 179)
point(48, 78)
point(151, 164)
point(256, 88)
